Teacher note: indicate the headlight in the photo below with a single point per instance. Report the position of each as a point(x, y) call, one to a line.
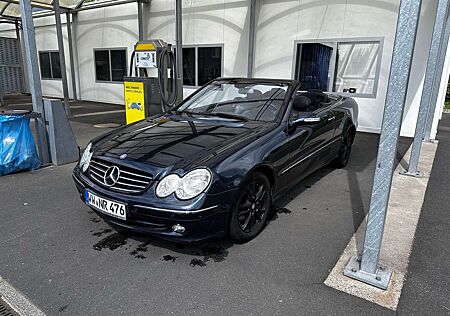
point(167, 186)
point(185, 188)
point(86, 158)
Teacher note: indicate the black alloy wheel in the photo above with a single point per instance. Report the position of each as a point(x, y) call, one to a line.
point(251, 208)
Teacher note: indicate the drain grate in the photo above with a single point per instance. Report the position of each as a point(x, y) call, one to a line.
point(6, 310)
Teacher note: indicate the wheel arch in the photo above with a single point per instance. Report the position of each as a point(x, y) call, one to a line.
point(267, 171)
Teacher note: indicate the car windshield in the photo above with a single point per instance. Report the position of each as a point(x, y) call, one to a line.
point(238, 100)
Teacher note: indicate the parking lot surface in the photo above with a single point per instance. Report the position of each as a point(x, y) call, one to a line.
point(67, 260)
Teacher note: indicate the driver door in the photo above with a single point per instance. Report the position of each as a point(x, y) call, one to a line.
point(308, 147)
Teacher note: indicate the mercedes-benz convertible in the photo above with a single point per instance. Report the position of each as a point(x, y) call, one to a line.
point(214, 164)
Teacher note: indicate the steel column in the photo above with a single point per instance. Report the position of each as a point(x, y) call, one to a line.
point(62, 58)
point(34, 79)
point(140, 21)
point(430, 75)
point(437, 82)
point(72, 64)
point(251, 38)
point(179, 39)
point(367, 269)
point(20, 54)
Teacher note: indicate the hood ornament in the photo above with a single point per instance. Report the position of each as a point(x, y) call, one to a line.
point(123, 156)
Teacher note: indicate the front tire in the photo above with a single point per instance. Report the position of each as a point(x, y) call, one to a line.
point(251, 209)
point(344, 152)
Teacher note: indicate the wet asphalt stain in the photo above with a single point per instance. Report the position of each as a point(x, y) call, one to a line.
point(111, 242)
point(273, 215)
point(140, 250)
point(209, 253)
point(197, 263)
point(63, 308)
point(101, 232)
point(203, 253)
point(95, 219)
point(214, 253)
point(169, 258)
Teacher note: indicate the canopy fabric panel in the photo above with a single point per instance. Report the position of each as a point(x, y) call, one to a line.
point(11, 8)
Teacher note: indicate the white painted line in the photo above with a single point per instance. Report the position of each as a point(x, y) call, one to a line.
point(405, 205)
point(17, 300)
point(98, 113)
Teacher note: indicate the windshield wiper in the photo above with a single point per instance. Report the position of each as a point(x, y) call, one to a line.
point(225, 115)
point(218, 114)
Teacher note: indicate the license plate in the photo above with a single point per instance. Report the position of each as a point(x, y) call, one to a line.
point(106, 206)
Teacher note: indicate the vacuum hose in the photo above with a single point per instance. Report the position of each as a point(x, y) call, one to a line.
point(167, 56)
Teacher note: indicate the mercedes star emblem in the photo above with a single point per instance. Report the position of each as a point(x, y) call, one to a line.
point(111, 176)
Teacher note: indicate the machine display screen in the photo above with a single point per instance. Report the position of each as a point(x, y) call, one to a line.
point(146, 59)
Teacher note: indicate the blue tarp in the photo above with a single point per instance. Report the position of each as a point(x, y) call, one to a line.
point(17, 149)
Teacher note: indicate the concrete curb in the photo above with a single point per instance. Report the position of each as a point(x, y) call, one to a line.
point(18, 301)
point(405, 205)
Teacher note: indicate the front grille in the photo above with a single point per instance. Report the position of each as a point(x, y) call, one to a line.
point(130, 180)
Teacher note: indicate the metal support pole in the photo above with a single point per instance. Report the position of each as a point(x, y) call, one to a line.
point(62, 58)
point(251, 38)
point(140, 21)
point(437, 82)
point(179, 39)
point(430, 74)
point(20, 56)
point(72, 64)
point(34, 79)
point(367, 269)
point(75, 53)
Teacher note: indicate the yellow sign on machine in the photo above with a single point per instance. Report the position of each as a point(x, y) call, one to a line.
point(134, 101)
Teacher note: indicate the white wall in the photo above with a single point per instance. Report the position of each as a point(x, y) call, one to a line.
point(279, 25)
point(206, 22)
point(111, 27)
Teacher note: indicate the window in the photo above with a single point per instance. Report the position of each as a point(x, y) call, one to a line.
point(50, 66)
point(110, 64)
point(201, 64)
point(243, 100)
point(344, 66)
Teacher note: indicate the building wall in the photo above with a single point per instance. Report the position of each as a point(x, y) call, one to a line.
point(226, 22)
point(281, 23)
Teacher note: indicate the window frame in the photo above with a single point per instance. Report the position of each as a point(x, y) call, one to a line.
point(196, 47)
point(110, 68)
point(332, 68)
point(49, 52)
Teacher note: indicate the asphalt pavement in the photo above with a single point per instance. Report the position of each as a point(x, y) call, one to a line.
point(66, 260)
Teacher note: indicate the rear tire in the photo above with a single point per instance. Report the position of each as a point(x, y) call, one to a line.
point(344, 152)
point(251, 209)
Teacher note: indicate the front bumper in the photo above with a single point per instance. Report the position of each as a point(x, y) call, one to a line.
point(208, 221)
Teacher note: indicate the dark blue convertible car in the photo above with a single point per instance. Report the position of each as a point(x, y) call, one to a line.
point(214, 164)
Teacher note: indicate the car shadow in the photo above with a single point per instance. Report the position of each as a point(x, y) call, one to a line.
point(360, 187)
point(138, 245)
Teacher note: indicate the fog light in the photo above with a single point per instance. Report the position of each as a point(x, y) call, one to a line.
point(177, 228)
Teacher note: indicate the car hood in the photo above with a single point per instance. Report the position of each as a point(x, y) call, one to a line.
point(174, 142)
